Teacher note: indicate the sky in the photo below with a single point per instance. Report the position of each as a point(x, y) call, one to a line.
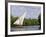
point(31, 11)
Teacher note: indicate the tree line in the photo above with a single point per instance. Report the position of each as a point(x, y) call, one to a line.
point(27, 22)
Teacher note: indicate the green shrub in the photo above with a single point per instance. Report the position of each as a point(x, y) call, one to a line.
point(26, 22)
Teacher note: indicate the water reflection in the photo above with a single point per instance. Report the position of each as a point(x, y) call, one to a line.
point(25, 28)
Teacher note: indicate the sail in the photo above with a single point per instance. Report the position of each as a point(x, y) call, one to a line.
point(20, 20)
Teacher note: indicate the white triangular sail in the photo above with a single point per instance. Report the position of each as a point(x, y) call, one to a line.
point(20, 20)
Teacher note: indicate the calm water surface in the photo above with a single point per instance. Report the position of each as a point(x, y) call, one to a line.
point(25, 28)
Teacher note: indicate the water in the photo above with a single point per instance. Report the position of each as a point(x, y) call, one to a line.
point(25, 28)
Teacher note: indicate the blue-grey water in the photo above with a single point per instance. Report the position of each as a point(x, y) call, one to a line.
point(25, 28)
